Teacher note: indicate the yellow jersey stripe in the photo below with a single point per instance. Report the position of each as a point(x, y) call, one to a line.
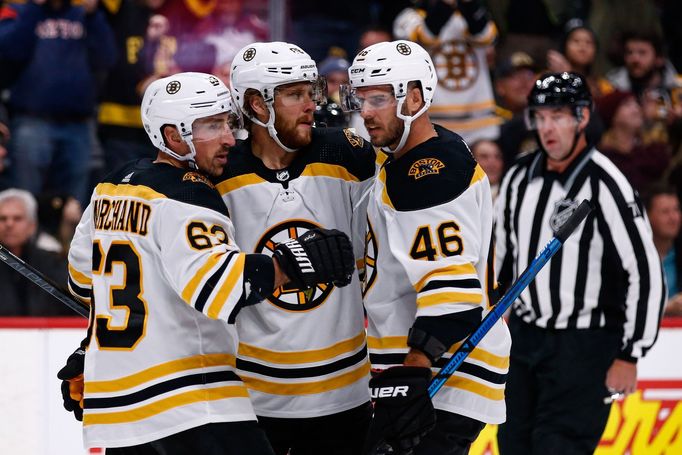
point(158, 371)
point(191, 287)
point(381, 157)
point(387, 342)
point(314, 355)
point(466, 125)
point(238, 182)
point(384, 194)
point(306, 388)
point(237, 270)
point(328, 170)
point(484, 356)
point(448, 297)
point(456, 269)
point(138, 191)
point(472, 386)
point(163, 405)
point(479, 173)
point(79, 277)
point(465, 107)
point(119, 115)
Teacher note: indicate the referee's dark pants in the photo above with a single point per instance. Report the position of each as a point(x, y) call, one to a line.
point(555, 390)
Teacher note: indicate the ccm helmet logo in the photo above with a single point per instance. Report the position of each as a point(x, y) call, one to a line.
point(301, 257)
point(389, 392)
point(357, 70)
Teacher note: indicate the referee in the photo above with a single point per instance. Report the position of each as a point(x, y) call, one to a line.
point(580, 327)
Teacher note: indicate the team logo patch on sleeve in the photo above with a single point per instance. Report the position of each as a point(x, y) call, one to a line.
point(354, 140)
point(197, 178)
point(425, 166)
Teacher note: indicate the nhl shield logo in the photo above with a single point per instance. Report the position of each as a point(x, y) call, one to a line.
point(282, 176)
point(562, 211)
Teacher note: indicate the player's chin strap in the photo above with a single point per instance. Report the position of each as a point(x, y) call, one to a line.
point(189, 157)
point(407, 122)
point(270, 126)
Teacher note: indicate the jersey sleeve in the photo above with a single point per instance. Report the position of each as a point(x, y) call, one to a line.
point(80, 258)
point(443, 250)
point(633, 239)
point(201, 259)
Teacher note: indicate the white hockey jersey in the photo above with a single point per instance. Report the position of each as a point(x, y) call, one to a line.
point(156, 249)
point(302, 354)
point(429, 253)
point(464, 101)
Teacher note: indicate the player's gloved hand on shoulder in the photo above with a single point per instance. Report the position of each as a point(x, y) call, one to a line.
point(318, 256)
point(403, 411)
point(72, 383)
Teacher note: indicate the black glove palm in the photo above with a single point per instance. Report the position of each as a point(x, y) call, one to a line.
point(72, 383)
point(318, 256)
point(403, 411)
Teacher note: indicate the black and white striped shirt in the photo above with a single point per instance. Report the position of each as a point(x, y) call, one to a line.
point(607, 274)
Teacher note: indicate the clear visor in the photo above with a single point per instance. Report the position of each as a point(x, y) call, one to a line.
point(351, 101)
point(542, 118)
point(211, 128)
point(300, 93)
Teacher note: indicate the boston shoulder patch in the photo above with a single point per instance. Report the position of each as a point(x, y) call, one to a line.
point(425, 166)
point(354, 140)
point(197, 178)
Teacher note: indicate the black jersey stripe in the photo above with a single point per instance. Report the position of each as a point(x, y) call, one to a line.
point(477, 371)
point(161, 388)
point(211, 283)
point(386, 359)
point(80, 291)
point(536, 228)
point(303, 372)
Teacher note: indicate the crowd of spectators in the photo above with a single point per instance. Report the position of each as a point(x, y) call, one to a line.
point(72, 73)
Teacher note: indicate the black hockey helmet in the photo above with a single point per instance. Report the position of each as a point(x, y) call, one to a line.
point(559, 90)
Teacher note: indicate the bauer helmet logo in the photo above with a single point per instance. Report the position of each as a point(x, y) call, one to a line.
point(249, 54)
point(403, 48)
point(214, 81)
point(296, 50)
point(173, 87)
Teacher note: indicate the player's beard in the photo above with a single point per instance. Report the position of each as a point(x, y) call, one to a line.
point(291, 136)
point(393, 133)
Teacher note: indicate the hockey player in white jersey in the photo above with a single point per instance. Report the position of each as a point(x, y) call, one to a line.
point(302, 353)
point(154, 250)
point(429, 277)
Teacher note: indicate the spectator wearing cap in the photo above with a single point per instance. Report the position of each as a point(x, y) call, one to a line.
point(335, 69)
point(514, 79)
point(18, 226)
point(642, 163)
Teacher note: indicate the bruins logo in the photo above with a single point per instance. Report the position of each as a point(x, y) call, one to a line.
point(425, 166)
point(403, 49)
point(355, 140)
point(197, 178)
point(249, 54)
point(371, 253)
point(288, 297)
point(173, 87)
point(456, 65)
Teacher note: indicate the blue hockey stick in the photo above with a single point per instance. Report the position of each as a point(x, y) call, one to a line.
point(510, 296)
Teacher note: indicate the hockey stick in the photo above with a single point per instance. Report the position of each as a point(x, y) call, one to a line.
point(510, 296)
point(42, 282)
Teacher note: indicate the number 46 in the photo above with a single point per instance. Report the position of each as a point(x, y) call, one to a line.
point(449, 241)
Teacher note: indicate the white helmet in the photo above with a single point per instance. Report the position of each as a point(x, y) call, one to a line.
point(394, 63)
point(265, 66)
point(179, 100)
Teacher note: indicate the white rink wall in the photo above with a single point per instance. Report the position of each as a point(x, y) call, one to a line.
point(33, 421)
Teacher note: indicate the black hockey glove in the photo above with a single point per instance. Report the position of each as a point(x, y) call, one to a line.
point(318, 256)
point(72, 383)
point(403, 411)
